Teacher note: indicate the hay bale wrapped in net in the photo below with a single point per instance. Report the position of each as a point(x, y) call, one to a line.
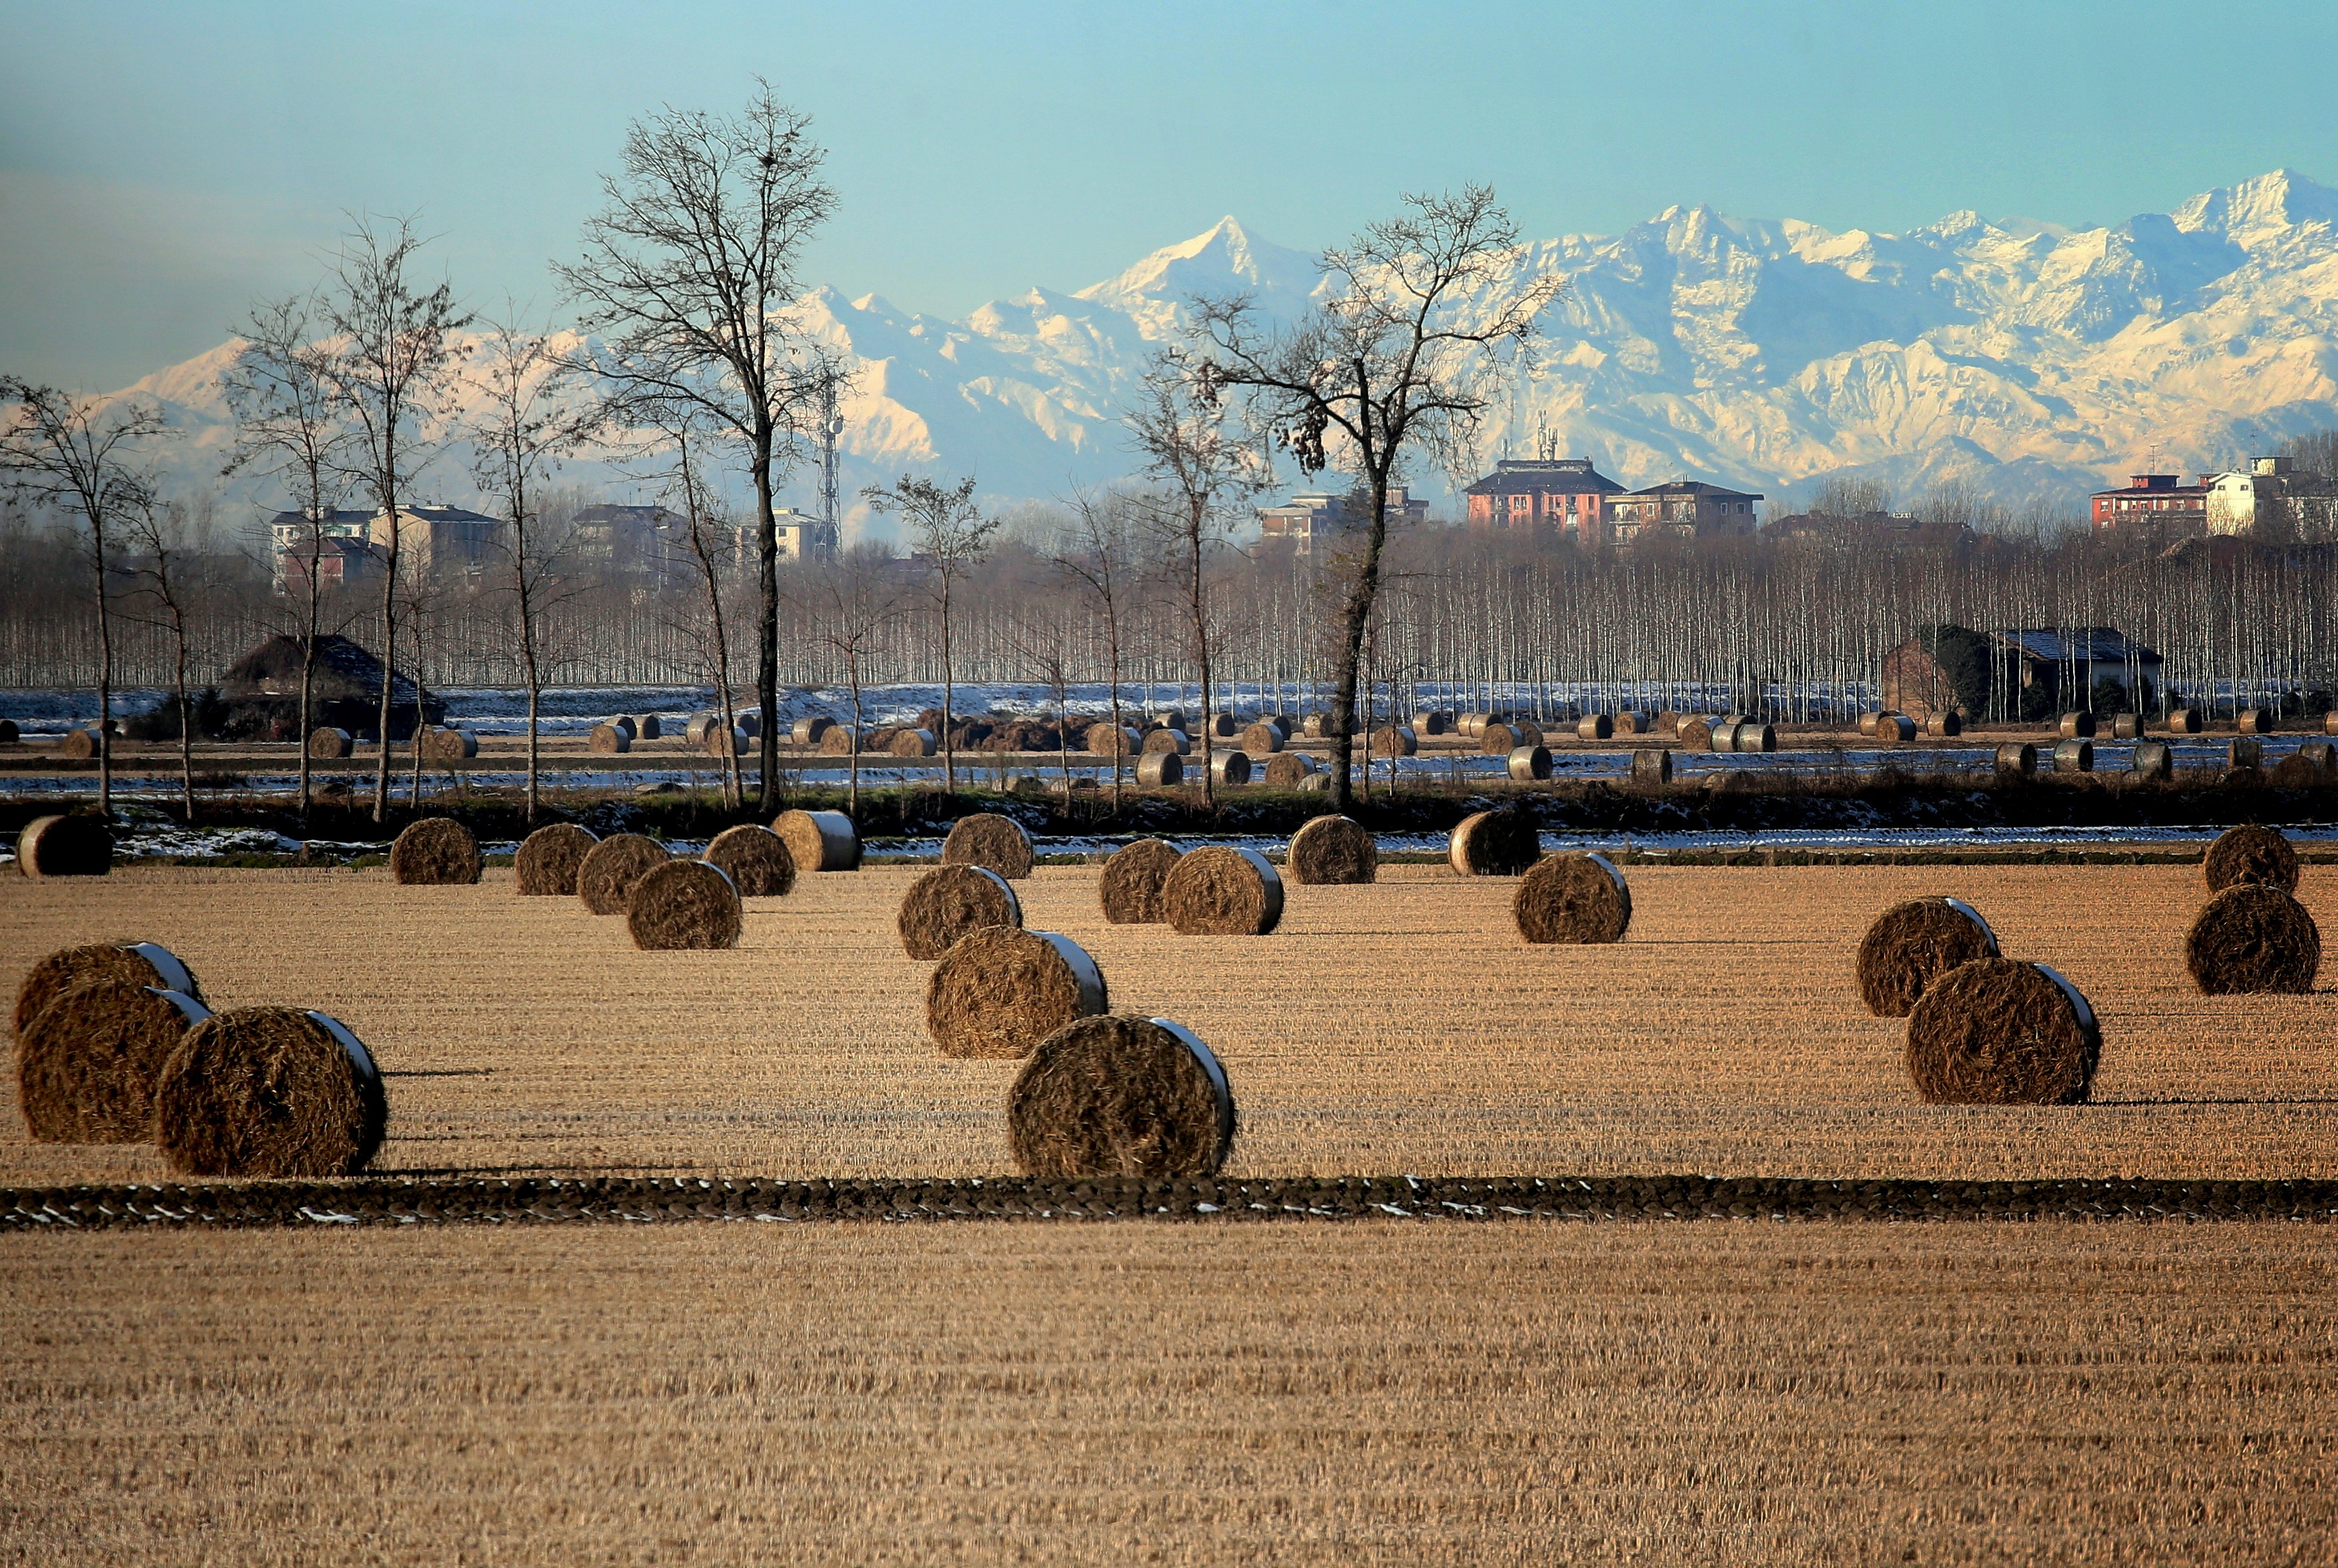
point(1160, 770)
point(701, 725)
point(1913, 944)
point(2183, 721)
point(1941, 725)
point(987, 839)
point(1696, 734)
point(2018, 758)
point(648, 727)
point(732, 741)
point(1894, 729)
point(444, 745)
point(1221, 891)
point(2253, 938)
point(1399, 740)
point(756, 859)
point(1570, 897)
point(2330, 722)
point(2250, 854)
point(1631, 722)
point(684, 905)
point(1130, 887)
point(1432, 722)
point(1174, 741)
point(2152, 760)
point(912, 744)
point(78, 745)
point(820, 840)
point(949, 901)
point(1723, 735)
point(812, 730)
point(1499, 843)
point(74, 844)
point(2126, 726)
point(999, 991)
point(2074, 757)
point(2077, 725)
point(1170, 719)
point(1230, 766)
point(1109, 740)
point(1327, 850)
point(329, 743)
point(606, 877)
point(1528, 764)
point(270, 1091)
point(2254, 722)
point(1263, 738)
point(141, 964)
point(1496, 738)
point(549, 858)
point(1651, 766)
point(87, 1062)
point(1470, 725)
point(1288, 771)
point(2245, 754)
point(1124, 1097)
point(1226, 726)
point(1997, 1032)
point(608, 740)
point(1595, 727)
point(434, 852)
point(2320, 756)
point(1755, 736)
point(837, 740)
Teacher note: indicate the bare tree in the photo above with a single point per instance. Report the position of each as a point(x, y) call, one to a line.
point(392, 356)
point(289, 425)
point(79, 454)
point(1398, 359)
point(707, 546)
point(690, 269)
point(851, 605)
point(158, 562)
point(949, 534)
point(1095, 550)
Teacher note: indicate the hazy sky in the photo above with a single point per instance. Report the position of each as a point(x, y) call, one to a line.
point(161, 164)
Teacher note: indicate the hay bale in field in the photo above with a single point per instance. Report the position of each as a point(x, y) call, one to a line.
point(2016, 757)
point(434, 852)
point(1498, 843)
point(2183, 721)
point(270, 1091)
point(2296, 771)
point(1529, 764)
point(74, 844)
point(1130, 888)
point(1572, 898)
point(549, 858)
point(1315, 784)
point(999, 991)
point(837, 740)
point(1168, 719)
point(2248, 754)
point(1230, 766)
point(2330, 722)
point(1499, 738)
point(1226, 726)
point(141, 964)
point(735, 741)
point(2250, 854)
point(1120, 1097)
point(1869, 722)
point(1263, 738)
point(2078, 725)
point(607, 740)
point(700, 726)
point(2253, 938)
point(625, 721)
point(1327, 850)
point(2322, 757)
point(2074, 757)
point(755, 859)
point(78, 745)
point(2254, 722)
point(1160, 770)
point(1996, 1032)
point(1432, 723)
point(1400, 740)
point(1696, 734)
point(9, 733)
point(606, 877)
point(820, 840)
point(1941, 725)
point(1315, 725)
point(1894, 730)
point(2152, 760)
point(87, 1062)
point(329, 744)
point(1107, 740)
point(444, 745)
point(949, 901)
point(1651, 766)
point(1755, 736)
point(2126, 726)
point(811, 731)
point(1288, 771)
point(647, 727)
point(1722, 736)
point(684, 905)
point(1913, 944)
point(987, 839)
point(1222, 892)
point(1630, 722)
point(1596, 727)
point(1173, 742)
point(912, 744)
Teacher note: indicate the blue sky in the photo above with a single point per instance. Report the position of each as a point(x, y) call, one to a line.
point(163, 165)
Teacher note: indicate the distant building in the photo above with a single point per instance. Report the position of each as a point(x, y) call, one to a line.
point(2023, 674)
point(2153, 501)
point(1688, 508)
point(1565, 495)
point(1319, 520)
point(2239, 502)
point(295, 548)
point(446, 543)
point(623, 541)
point(803, 536)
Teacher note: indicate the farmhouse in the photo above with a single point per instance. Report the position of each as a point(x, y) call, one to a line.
point(2022, 673)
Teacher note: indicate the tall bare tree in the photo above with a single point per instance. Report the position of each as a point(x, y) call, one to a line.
point(706, 541)
point(851, 605)
point(165, 575)
point(950, 534)
point(690, 272)
point(392, 356)
point(1097, 550)
point(81, 454)
point(1398, 359)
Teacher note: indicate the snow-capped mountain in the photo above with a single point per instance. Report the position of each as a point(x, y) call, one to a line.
point(2027, 361)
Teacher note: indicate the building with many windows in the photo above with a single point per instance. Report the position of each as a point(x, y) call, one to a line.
point(1686, 508)
point(1564, 496)
point(2151, 501)
point(1318, 521)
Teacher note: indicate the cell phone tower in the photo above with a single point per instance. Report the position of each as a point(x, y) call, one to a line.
point(831, 426)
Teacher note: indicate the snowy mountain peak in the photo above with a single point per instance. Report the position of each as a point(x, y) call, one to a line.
point(1224, 259)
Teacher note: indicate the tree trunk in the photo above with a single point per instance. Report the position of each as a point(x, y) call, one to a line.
point(1356, 612)
point(388, 660)
point(308, 687)
point(949, 770)
point(186, 720)
point(104, 680)
point(1202, 654)
point(767, 642)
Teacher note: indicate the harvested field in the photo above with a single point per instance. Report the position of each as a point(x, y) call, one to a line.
point(1725, 1032)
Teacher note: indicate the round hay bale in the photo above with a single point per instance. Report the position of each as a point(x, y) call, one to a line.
point(2247, 754)
point(262, 1092)
point(606, 877)
point(2184, 721)
point(2250, 854)
point(2074, 757)
point(68, 846)
point(1315, 784)
point(755, 859)
point(1173, 742)
point(990, 840)
point(2296, 772)
point(647, 727)
point(9, 733)
point(1630, 722)
point(548, 859)
point(1891, 729)
point(1572, 898)
point(1499, 739)
point(1696, 734)
point(2016, 757)
point(78, 745)
point(1226, 726)
point(1400, 741)
point(1263, 738)
point(1160, 770)
point(1941, 725)
point(87, 1062)
point(1498, 843)
point(1755, 736)
point(2126, 726)
point(719, 739)
point(1913, 944)
point(1530, 733)
point(434, 852)
point(2330, 722)
point(2079, 725)
point(1130, 888)
point(139, 964)
point(912, 744)
point(1471, 725)
point(1432, 723)
point(1107, 740)
point(1651, 766)
point(1222, 892)
point(812, 730)
point(949, 901)
point(2253, 938)
point(700, 728)
point(1116, 1096)
point(837, 740)
point(625, 721)
point(608, 740)
point(1288, 771)
point(1529, 763)
point(820, 840)
point(684, 905)
point(451, 745)
point(1170, 719)
point(1722, 736)
point(2152, 760)
point(999, 991)
point(1315, 725)
point(1998, 1031)
point(1332, 850)
point(1596, 727)
point(1230, 766)
point(2320, 756)
point(1667, 722)
point(2254, 722)
point(1869, 722)
point(327, 743)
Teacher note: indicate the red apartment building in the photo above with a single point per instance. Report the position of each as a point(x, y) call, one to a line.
point(2154, 501)
point(1565, 495)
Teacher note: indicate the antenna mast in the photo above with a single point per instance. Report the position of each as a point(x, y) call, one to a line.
point(831, 426)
